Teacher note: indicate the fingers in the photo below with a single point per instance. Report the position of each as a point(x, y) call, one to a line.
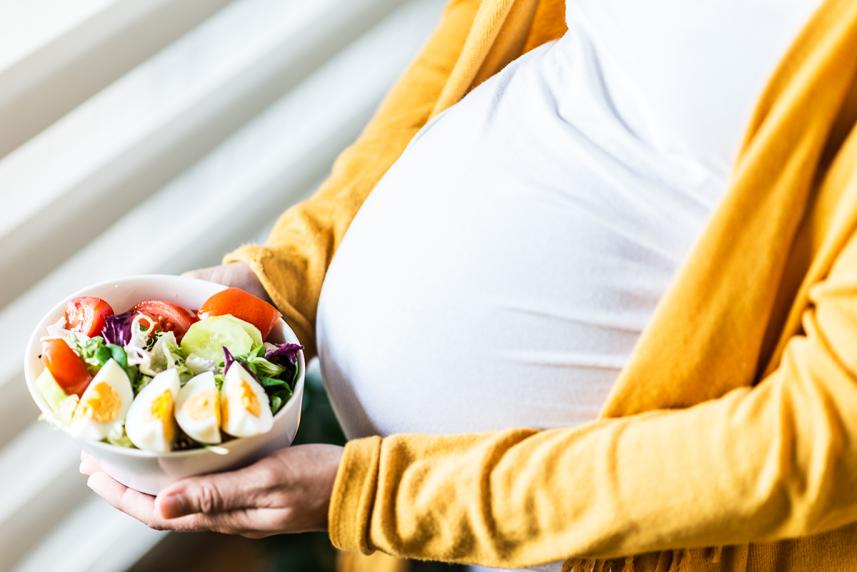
point(237, 274)
point(200, 273)
point(222, 274)
point(216, 274)
point(88, 465)
point(248, 501)
point(218, 493)
point(214, 502)
point(129, 501)
point(142, 507)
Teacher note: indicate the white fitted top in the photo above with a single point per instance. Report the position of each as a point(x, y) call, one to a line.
point(501, 272)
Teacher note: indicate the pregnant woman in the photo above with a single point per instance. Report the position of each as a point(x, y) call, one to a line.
point(586, 314)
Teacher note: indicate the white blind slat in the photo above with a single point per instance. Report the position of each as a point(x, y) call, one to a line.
point(25, 27)
point(112, 542)
point(54, 55)
point(40, 485)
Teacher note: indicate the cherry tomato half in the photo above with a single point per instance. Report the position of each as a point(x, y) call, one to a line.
point(87, 315)
point(66, 366)
point(167, 316)
point(244, 306)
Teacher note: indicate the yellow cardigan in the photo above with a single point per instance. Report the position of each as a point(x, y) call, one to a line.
point(730, 439)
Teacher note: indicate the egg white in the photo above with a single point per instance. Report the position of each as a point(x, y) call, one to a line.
point(245, 409)
point(198, 409)
point(103, 405)
point(150, 423)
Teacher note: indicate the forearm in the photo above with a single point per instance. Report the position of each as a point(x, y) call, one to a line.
point(772, 462)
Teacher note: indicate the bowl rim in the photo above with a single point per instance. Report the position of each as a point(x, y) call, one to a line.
point(36, 335)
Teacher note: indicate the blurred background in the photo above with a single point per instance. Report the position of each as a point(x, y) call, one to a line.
point(152, 136)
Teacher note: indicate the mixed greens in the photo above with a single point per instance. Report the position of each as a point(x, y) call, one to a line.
point(160, 377)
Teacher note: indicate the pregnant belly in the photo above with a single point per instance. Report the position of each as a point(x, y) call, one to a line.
point(495, 280)
point(451, 309)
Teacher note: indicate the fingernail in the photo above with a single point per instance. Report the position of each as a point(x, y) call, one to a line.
point(92, 481)
point(173, 506)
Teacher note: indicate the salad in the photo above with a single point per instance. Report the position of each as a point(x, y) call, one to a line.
point(160, 377)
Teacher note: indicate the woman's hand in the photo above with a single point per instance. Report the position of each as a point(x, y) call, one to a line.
point(236, 274)
point(288, 491)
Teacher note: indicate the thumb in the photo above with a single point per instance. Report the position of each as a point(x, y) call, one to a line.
point(209, 494)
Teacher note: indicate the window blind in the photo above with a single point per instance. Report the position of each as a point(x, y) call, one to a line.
point(151, 137)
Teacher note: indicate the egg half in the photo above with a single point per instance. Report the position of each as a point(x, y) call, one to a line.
point(104, 404)
point(245, 410)
point(198, 409)
point(150, 424)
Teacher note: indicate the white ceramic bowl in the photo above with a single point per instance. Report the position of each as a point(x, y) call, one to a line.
point(151, 472)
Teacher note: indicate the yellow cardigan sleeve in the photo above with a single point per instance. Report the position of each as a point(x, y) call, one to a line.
point(292, 263)
point(775, 461)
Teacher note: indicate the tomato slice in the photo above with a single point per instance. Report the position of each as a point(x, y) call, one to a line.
point(244, 306)
point(66, 366)
point(167, 316)
point(87, 315)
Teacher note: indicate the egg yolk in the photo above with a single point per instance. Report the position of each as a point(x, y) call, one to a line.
point(162, 410)
point(201, 406)
point(103, 404)
point(249, 399)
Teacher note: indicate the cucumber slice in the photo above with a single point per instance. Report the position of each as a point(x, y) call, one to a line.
point(65, 410)
point(207, 337)
point(50, 390)
point(251, 330)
